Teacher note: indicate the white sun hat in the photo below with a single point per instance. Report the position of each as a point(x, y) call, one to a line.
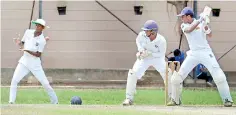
point(41, 22)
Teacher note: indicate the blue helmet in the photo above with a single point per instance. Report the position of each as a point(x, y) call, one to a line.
point(75, 100)
point(150, 25)
point(186, 11)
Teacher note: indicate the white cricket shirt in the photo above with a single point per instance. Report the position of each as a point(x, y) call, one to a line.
point(33, 44)
point(157, 46)
point(197, 38)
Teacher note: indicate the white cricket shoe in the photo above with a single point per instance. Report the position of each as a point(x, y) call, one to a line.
point(127, 102)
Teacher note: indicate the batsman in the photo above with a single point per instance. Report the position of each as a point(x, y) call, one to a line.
point(196, 32)
point(151, 52)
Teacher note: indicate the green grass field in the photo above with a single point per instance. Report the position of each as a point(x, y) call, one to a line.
point(108, 102)
point(113, 96)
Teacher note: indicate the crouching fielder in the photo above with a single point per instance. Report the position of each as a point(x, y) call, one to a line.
point(32, 44)
point(196, 32)
point(151, 52)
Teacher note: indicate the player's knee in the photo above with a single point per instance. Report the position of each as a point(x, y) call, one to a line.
point(47, 87)
point(133, 73)
point(163, 74)
point(176, 78)
point(218, 75)
point(14, 82)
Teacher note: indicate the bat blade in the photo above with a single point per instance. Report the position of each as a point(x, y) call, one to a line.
point(207, 11)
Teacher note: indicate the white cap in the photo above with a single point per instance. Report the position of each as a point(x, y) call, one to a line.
point(41, 22)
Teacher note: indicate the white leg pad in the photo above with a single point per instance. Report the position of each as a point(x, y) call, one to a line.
point(169, 82)
point(222, 84)
point(131, 85)
point(176, 83)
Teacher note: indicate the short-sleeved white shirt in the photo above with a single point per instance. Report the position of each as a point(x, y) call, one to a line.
point(197, 38)
point(34, 44)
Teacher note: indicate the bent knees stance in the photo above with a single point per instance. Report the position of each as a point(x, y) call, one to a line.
point(187, 66)
point(218, 75)
point(140, 67)
point(20, 72)
point(176, 78)
point(131, 84)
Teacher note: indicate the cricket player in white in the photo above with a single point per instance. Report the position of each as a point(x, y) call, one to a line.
point(151, 52)
point(196, 32)
point(32, 44)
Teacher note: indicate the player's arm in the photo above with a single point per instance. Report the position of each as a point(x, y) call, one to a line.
point(21, 42)
point(208, 31)
point(18, 42)
point(169, 53)
point(190, 28)
point(47, 38)
point(40, 49)
point(36, 54)
point(139, 42)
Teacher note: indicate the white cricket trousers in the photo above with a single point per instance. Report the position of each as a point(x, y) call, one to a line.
point(140, 66)
point(207, 58)
point(21, 71)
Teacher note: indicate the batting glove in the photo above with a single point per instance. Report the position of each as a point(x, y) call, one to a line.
point(208, 31)
point(144, 54)
point(202, 18)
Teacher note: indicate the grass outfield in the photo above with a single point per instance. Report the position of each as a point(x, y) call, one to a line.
point(113, 96)
point(35, 101)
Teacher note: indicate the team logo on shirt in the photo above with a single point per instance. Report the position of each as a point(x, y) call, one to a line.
point(211, 56)
point(37, 44)
point(156, 46)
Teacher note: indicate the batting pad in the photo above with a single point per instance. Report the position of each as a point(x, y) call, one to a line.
point(131, 85)
point(176, 85)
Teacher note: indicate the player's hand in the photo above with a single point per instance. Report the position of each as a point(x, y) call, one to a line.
point(138, 54)
point(21, 49)
point(47, 38)
point(206, 27)
point(17, 40)
point(145, 54)
point(202, 18)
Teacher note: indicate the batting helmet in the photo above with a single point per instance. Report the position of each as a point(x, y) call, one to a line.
point(75, 100)
point(150, 25)
point(186, 11)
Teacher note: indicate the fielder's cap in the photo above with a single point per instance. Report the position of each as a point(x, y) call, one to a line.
point(150, 25)
point(41, 22)
point(186, 11)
